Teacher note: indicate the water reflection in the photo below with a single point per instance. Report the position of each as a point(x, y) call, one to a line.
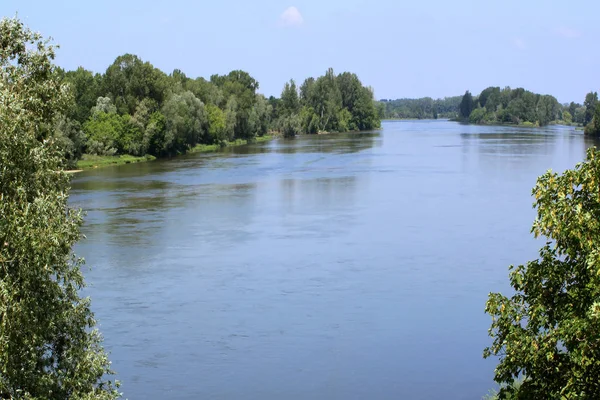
point(499, 149)
point(290, 268)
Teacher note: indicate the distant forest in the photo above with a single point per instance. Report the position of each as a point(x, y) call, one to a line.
point(423, 108)
point(499, 106)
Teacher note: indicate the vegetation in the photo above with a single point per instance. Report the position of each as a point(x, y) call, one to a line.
point(329, 103)
point(90, 161)
point(547, 331)
point(49, 348)
point(497, 106)
point(592, 114)
point(135, 109)
point(511, 106)
point(424, 108)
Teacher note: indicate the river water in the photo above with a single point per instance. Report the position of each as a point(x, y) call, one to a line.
point(347, 266)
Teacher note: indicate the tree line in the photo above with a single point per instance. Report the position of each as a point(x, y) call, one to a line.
point(498, 106)
point(134, 108)
point(423, 108)
point(329, 103)
point(520, 106)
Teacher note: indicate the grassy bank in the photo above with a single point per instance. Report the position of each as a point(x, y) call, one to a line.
point(90, 162)
point(209, 148)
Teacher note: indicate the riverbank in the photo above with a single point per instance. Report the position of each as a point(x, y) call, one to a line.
point(526, 124)
point(210, 148)
point(91, 161)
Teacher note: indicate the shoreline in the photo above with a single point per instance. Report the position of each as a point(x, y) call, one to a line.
point(89, 162)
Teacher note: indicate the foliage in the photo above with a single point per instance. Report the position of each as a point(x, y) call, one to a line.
point(70, 138)
point(291, 126)
point(186, 122)
point(92, 161)
point(512, 106)
point(329, 103)
point(548, 330)
point(567, 117)
point(49, 348)
point(591, 100)
point(290, 102)
point(593, 128)
point(136, 109)
point(466, 106)
point(424, 108)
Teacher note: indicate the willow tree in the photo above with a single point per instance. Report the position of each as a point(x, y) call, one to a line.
point(49, 348)
point(547, 334)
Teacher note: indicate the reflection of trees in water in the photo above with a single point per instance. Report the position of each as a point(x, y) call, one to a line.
point(151, 223)
point(513, 150)
point(318, 207)
point(330, 143)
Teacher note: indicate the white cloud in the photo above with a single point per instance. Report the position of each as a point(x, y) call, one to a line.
point(291, 17)
point(569, 33)
point(519, 43)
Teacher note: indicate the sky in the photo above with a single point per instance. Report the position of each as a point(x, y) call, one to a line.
point(401, 48)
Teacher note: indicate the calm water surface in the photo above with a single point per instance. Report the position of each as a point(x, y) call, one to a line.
point(333, 267)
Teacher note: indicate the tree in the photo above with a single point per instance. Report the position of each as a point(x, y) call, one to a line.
point(129, 80)
point(466, 105)
point(593, 128)
point(49, 348)
point(71, 139)
point(216, 123)
point(548, 330)
point(291, 126)
point(186, 122)
point(104, 132)
point(546, 109)
point(243, 87)
point(85, 87)
point(591, 100)
point(486, 94)
point(290, 103)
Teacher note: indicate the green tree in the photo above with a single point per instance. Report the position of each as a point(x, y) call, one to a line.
point(291, 126)
point(466, 105)
point(547, 110)
point(49, 348)
point(186, 122)
point(85, 87)
point(129, 80)
point(290, 103)
point(71, 139)
point(104, 132)
point(593, 128)
point(260, 116)
point(567, 117)
point(591, 100)
point(486, 94)
point(217, 123)
point(573, 108)
point(154, 135)
point(477, 115)
point(548, 330)
point(243, 87)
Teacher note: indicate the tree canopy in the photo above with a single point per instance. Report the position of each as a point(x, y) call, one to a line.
point(134, 108)
point(423, 108)
point(547, 331)
point(49, 348)
point(329, 103)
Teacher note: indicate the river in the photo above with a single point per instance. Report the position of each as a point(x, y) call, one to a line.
point(346, 266)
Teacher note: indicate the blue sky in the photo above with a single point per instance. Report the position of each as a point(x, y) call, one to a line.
point(403, 49)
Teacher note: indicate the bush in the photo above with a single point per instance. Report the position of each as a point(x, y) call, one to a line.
point(548, 329)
